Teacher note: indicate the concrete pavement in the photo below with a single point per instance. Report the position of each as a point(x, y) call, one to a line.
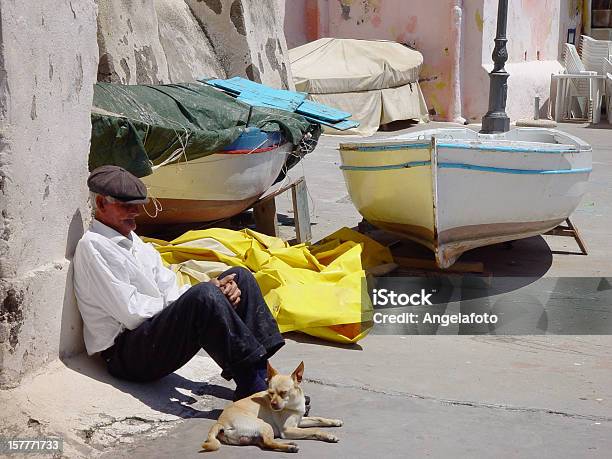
point(424, 396)
point(451, 396)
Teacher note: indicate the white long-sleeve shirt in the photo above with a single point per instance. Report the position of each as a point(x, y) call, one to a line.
point(118, 282)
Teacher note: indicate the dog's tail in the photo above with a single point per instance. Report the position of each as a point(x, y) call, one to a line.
point(211, 443)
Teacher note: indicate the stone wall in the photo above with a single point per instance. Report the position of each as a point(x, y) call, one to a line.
point(171, 41)
point(48, 60)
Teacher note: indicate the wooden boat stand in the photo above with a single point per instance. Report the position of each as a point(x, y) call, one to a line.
point(569, 231)
point(264, 210)
point(415, 265)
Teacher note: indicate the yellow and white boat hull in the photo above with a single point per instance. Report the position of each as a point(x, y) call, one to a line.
point(453, 190)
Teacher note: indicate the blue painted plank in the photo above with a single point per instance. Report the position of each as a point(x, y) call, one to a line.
point(324, 112)
point(248, 85)
point(261, 94)
point(341, 126)
point(221, 84)
point(261, 100)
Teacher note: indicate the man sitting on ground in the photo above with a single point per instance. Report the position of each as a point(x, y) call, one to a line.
point(140, 321)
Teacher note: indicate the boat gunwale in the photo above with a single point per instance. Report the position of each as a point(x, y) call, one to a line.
point(445, 165)
point(373, 146)
point(566, 149)
point(249, 152)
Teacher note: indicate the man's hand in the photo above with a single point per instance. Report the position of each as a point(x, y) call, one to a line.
point(229, 288)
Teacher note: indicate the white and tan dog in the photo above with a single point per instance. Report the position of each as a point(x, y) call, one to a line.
point(275, 413)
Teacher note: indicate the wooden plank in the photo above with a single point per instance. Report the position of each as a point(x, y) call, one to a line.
point(265, 217)
point(221, 85)
point(561, 232)
point(341, 126)
point(301, 214)
point(569, 231)
point(279, 188)
point(323, 112)
point(577, 237)
point(260, 95)
point(242, 84)
point(382, 270)
point(430, 265)
point(263, 100)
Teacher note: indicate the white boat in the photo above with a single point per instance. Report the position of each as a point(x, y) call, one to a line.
point(217, 186)
point(454, 189)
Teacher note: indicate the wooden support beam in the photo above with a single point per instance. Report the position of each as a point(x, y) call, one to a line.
point(577, 237)
point(301, 214)
point(264, 210)
point(570, 231)
point(430, 265)
point(265, 217)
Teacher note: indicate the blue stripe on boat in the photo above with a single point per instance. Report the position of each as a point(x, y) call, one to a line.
point(465, 146)
point(499, 170)
point(386, 167)
point(502, 170)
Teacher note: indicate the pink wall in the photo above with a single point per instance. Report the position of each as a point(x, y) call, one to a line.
point(423, 24)
point(397, 20)
point(536, 31)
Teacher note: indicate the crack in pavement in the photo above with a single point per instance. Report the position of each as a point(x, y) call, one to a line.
point(467, 403)
point(89, 433)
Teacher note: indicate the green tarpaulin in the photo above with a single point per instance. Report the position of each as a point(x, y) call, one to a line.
point(138, 126)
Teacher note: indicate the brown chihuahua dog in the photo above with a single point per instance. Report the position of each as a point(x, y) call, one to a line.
point(275, 413)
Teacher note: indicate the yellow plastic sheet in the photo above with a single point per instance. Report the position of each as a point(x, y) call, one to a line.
point(318, 289)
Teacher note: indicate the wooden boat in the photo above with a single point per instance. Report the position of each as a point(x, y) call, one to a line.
point(175, 137)
point(217, 186)
point(454, 189)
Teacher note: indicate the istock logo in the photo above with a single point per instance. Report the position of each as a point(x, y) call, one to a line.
point(384, 297)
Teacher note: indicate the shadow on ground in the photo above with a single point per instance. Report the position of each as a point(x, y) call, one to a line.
point(307, 339)
point(164, 395)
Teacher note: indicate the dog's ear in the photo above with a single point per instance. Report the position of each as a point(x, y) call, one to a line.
point(271, 372)
point(298, 373)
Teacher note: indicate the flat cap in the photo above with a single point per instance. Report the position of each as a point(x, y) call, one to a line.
point(118, 183)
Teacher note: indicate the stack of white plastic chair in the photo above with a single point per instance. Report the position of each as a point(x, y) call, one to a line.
point(593, 53)
point(608, 73)
point(576, 82)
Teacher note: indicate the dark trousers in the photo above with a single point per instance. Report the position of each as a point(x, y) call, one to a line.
point(201, 318)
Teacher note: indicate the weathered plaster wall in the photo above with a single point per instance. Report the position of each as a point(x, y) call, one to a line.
point(536, 31)
point(401, 21)
point(48, 60)
point(152, 42)
point(306, 20)
point(170, 41)
point(410, 23)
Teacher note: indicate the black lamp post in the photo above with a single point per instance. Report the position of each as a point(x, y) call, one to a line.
point(496, 120)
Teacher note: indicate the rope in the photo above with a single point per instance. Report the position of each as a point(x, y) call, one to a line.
point(156, 204)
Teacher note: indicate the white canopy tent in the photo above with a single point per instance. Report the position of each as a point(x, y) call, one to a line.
point(376, 81)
